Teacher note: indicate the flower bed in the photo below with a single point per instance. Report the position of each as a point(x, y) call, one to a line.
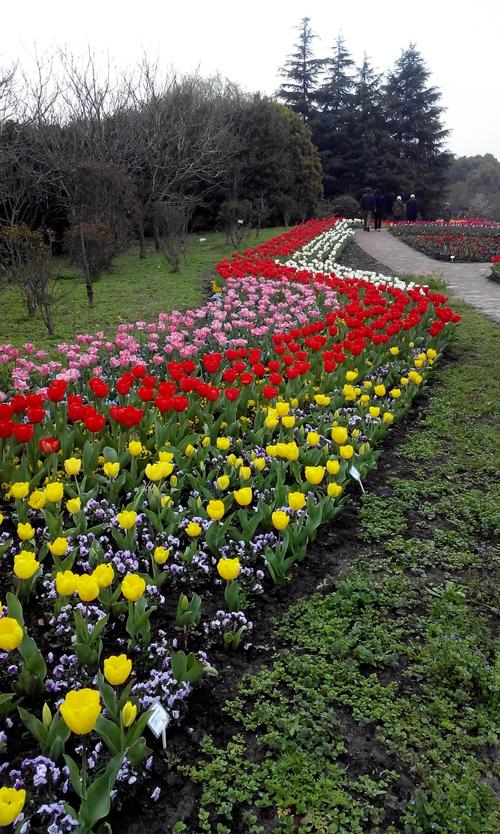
point(155, 485)
point(461, 243)
point(495, 268)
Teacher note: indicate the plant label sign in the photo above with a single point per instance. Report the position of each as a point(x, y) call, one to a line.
point(357, 476)
point(158, 722)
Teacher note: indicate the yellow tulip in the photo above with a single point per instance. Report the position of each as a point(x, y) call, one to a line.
point(231, 459)
point(228, 569)
point(80, 710)
point(127, 519)
point(245, 473)
point(133, 587)
point(222, 482)
point(314, 474)
point(128, 714)
point(415, 377)
point(280, 519)
point(349, 392)
point(59, 546)
point(166, 500)
point(111, 468)
point(374, 412)
point(259, 464)
point(193, 529)
point(135, 448)
point(103, 575)
point(404, 380)
point(161, 555)
point(388, 417)
point(11, 634)
point(333, 467)
point(334, 490)
point(223, 443)
point(364, 399)
point(87, 588)
point(54, 492)
point(379, 390)
point(322, 399)
point(271, 422)
point(117, 669)
point(1, 518)
point(346, 452)
point(313, 438)
point(394, 351)
point(215, 509)
point(19, 489)
point(339, 434)
point(368, 383)
point(431, 353)
point(11, 804)
point(74, 505)
point(189, 450)
point(292, 451)
point(296, 500)
point(72, 466)
point(25, 531)
point(66, 582)
point(166, 457)
point(395, 393)
point(37, 500)
point(351, 376)
point(159, 470)
point(243, 496)
point(25, 564)
point(288, 421)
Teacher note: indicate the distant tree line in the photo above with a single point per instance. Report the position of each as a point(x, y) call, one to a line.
point(98, 157)
point(379, 130)
point(474, 186)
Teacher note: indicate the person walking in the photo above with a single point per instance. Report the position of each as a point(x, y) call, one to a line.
point(446, 213)
point(379, 210)
point(411, 209)
point(367, 207)
point(398, 210)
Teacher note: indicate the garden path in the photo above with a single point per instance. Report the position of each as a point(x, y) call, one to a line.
point(467, 281)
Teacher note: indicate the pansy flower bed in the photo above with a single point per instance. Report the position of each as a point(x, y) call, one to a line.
point(155, 485)
point(460, 242)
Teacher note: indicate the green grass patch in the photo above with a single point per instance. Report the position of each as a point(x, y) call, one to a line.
point(132, 290)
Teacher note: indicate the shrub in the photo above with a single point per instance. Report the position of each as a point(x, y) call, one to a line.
point(342, 206)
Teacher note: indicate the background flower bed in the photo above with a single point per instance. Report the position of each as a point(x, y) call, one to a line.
point(466, 244)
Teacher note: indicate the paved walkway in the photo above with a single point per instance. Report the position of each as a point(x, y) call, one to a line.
point(467, 281)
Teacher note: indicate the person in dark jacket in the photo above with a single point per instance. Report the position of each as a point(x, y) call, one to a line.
point(411, 209)
point(398, 210)
point(379, 210)
point(367, 207)
point(446, 213)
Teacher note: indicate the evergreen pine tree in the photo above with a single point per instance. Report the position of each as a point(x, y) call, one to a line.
point(366, 130)
point(331, 125)
point(414, 123)
point(301, 73)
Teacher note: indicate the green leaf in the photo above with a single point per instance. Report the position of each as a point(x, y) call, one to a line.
point(15, 608)
point(138, 751)
point(97, 803)
point(110, 733)
point(35, 726)
point(74, 775)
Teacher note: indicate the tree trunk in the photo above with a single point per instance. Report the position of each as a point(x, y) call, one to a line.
point(86, 270)
point(156, 232)
point(142, 242)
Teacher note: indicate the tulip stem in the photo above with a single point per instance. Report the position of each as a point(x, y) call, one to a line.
point(84, 766)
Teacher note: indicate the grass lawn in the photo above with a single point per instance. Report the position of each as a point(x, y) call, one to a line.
point(133, 290)
point(372, 708)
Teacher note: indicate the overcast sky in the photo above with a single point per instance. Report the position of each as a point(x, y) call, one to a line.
point(248, 41)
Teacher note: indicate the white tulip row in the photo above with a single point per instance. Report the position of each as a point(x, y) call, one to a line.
point(319, 256)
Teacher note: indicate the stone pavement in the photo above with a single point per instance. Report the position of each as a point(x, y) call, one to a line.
point(467, 281)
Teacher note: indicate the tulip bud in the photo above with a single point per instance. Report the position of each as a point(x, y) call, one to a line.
point(128, 713)
point(46, 716)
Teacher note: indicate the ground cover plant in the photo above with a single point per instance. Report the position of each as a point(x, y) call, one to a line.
point(495, 268)
point(457, 242)
point(371, 706)
point(156, 484)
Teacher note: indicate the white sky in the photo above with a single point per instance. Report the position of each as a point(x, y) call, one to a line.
point(248, 41)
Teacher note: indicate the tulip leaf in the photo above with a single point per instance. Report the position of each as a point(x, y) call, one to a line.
point(110, 733)
point(96, 803)
point(15, 608)
point(74, 775)
point(35, 726)
point(138, 751)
